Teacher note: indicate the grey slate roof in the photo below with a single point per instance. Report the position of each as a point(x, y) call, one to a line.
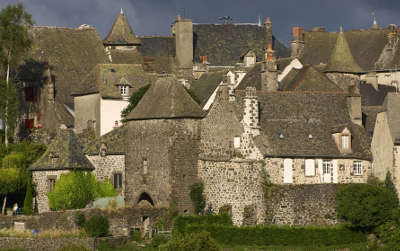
point(206, 85)
point(121, 33)
point(295, 115)
point(64, 153)
point(166, 99)
point(372, 97)
point(223, 44)
point(113, 140)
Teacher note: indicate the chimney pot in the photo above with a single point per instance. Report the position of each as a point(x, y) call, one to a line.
point(179, 18)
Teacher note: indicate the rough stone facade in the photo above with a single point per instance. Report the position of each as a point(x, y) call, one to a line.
point(237, 184)
point(41, 179)
point(108, 165)
point(45, 244)
point(345, 174)
point(301, 204)
point(382, 147)
point(161, 161)
point(345, 80)
point(396, 168)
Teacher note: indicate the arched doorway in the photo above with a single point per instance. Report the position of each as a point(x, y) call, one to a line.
point(144, 199)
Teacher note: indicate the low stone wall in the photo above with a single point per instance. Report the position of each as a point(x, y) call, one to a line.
point(52, 244)
point(121, 220)
point(302, 204)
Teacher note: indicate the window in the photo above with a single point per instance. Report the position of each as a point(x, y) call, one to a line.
point(30, 94)
point(29, 123)
point(287, 171)
point(145, 166)
point(124, 89)
point(357, 168)
point(326, 166)
point(51, 183)
point(117, 180)
point(345, 142)
point(236, 142)
point(309, 167)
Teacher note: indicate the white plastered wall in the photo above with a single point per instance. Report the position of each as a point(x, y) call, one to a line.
point(110, 111)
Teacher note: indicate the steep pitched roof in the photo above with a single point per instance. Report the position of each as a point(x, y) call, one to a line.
point(105, 78)
point(206, 85)
point(307, 79)
point(166, 99)
point(252, 78)
point(365, 45)
point(161, 51)
point(296, 115)
point(126, 56)
point(121, 33)
point(369, 117)
point(341, 59)
point(114, 142)
point(64, 153)
point(223, 44)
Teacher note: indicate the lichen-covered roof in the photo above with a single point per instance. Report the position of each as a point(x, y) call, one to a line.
point(206, 84)
point(372, 97)
point(341, 59)
point(64, 153)
point(369, 117)
point(113, 140)
point(223, 44)
point(126, 56)
point(121, 33)
point(105, 78)
point(252, 78)
point(165, 99)
point(365, 45)
point(307, 79)
point(295, 115)
point(161, 51)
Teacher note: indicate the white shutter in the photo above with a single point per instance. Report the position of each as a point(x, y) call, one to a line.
point(309, 167)
point(287, 171)
point(321, 175)
point(236, 142)
point(335, 171)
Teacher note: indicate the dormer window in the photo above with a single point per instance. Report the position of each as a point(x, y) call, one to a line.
point(345, 142)
point(124, 90)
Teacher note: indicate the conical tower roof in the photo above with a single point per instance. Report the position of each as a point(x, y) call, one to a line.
point(341, 59)
point(121, 33)
point(166, 99)
point(64, 153)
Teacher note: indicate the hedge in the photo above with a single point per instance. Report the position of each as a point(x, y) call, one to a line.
point(181, 222)
point(279, 235)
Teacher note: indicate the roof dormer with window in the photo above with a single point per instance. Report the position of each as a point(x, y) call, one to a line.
point(124, 86)
point(343, 140)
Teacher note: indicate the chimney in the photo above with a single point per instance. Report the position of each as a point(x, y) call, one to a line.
point(297, 44)
point(268, 31)
point(204, 59)
point(183, 31)
point(251, 112)
point(354, 107)
point(269, 73)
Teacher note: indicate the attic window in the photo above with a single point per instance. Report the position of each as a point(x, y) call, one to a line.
point(124, 89)
point(112, 70)
point(345, 142)
point(310, 136)
point(281, 136)
point(236, 142)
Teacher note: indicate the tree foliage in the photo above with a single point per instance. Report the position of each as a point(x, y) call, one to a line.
point(366, 206)
point(191, 242)
point(97, 226)
point(197, 197)
point(28, 202)
point(76, 189)
point(133, 101)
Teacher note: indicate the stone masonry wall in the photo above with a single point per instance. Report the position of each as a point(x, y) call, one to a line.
point(275, 168)
point(301, 204)
point(396, 168)
point(236, 183)
point(40, 178)
point(45, 244)
point(106, 166)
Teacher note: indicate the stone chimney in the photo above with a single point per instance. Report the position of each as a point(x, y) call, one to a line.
point(251, 112)
point(354, 107)
point(269, 73)
point(183, 31)
point(268, 31)
point(297, 44)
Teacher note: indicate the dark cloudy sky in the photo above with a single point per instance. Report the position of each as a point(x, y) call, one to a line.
point(153, 17)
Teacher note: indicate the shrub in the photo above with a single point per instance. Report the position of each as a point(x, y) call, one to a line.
point(158, 240)
point(135, 236)
point(181, 222)
point(197, 197)
point(389, 234)
point(365, 206)
point(279, 235)
point(192, 242)
point(97, 226)
point(76, 189)
point(73, 248)
point(389, 184)
point(80, 219)
point(28, 202)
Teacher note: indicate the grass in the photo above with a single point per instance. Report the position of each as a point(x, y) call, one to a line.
point(349, 247)
point(53, 233)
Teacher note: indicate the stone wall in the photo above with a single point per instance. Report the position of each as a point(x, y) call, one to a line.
point(275, 168)
point(41, 179)
point(121, 220)
point(301, 204)
point(106, 166)
point(345, 80)
point(161, 161)
point(236, 184)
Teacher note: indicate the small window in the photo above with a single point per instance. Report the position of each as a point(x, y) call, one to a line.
point(117, 180)
point(145, 166)
point(326, 166)
point(357, 168)
point(309, 167)
point(51, 184)
point(30, 94)
point(29, 123)
point(124, 89)
point(345, 142)
point(236, 142)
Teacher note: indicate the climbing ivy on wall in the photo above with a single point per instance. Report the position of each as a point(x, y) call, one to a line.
point(133, 101)
point(197, 197)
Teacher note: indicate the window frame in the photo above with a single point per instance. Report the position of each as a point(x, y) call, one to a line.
point(326, 166)
point(124, 89)
point(117, 181)
point(357, 168)
point(345, 142)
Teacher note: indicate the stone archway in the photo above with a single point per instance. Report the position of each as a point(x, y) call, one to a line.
point(145, 200)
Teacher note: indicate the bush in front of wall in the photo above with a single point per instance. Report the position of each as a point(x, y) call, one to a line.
point(197, 197)
point(80, 219)
point(97, 226)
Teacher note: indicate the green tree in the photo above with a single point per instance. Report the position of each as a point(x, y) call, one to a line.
point(10, 181)
point(28, 202)
point(133, 101)
point(76, 189)
point(14, 42)
point(197, 197)
point(365, 206)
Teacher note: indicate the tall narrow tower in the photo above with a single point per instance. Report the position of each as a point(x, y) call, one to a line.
point(183, 31)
